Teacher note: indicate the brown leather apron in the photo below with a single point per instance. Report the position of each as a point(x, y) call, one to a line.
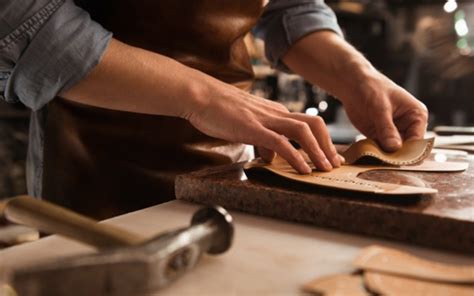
point(102, 162)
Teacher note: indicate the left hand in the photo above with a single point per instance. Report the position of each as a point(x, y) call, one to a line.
point(377, 107)
point(385, 112)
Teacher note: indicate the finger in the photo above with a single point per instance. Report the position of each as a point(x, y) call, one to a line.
point(275, 142)
point(266, 154)
point(415, 132)
point(320, 131)
point(341, 159)
point(387, 134)
point(301, 132)
point(417, 127)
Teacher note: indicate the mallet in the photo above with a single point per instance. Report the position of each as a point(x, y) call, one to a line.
point(129, 264)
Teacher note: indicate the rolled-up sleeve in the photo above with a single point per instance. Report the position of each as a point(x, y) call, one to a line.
point(46, 46)
point(286, 21)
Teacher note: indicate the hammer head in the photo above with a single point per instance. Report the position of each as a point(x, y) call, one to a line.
point(131, 270)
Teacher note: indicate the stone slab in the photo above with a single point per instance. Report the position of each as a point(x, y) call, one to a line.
point(444, 220)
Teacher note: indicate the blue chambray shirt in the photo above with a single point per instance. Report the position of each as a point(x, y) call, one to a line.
point(47, 46)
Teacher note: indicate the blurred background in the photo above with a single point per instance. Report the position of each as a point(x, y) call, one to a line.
point(427, 46)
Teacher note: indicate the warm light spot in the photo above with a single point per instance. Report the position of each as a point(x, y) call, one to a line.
point(440, 157)
point(450, 6)
point(312, 111)
point(323, 106)
point(461, 27)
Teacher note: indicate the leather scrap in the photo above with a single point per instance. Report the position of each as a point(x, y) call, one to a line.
point(387, 260)
point(337, 285)
point(346, 176)
point(386, 284)
point(412, 152)
point(467, 148)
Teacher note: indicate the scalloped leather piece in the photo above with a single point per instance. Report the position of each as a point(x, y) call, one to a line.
point(346, 176)
point(412, 152)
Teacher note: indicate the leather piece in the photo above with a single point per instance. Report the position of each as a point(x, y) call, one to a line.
point(102, 162)
point(346, 176)
point(387, 271)
point(385, 284)
point(411, 153)
point(392, 261)
point(337, 285)
point(441, 141)
point(467, 148)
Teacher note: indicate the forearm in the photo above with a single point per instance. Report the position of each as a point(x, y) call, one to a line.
point(136, 80)
point(131, 79)
point(327, 60)
point(378, 107)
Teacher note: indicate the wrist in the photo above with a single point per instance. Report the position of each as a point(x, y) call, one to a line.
point(197, 94)
point(360, 79)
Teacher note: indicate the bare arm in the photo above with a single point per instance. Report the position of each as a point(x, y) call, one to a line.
point(132, 79)
point(376, 106)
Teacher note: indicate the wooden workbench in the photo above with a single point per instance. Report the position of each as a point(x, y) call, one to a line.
point(268, 257)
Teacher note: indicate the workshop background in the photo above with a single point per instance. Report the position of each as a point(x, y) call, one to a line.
point(427, 46)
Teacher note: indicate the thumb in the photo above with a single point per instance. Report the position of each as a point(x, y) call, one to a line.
point(387, 134)
point(266, 154)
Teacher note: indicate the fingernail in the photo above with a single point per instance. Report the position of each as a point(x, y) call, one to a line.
point(327, 165)
point(336, 161)
point(392, 143)
point(305, 169)
point(343, 160)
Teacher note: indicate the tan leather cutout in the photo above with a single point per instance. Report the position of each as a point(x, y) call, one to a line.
point(441, 141)
point(386, 260)
point(346, 177)
point(385, 284)
point(337, 285)
point(467, 148)
point(411, 153)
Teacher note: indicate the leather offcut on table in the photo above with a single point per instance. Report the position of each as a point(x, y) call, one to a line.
point(387, 271)
point(386, 284)
point(337, 285)
point(387, 260)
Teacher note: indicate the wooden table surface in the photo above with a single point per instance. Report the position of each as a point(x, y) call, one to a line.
point(268, 257)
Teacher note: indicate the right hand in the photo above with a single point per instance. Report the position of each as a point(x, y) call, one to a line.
point(229, 113)
point(136, 80)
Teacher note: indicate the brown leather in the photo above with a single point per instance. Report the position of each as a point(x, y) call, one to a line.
point(392, 261)
point(346, 176)
point(387, 271)
point(412, 152)
point(102, 162)
point(387, 284)
point(337, 285)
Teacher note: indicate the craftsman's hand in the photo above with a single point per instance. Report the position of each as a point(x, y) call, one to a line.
point(385, 112)
point(136, 80)
point(234, 115)
point(378, 107)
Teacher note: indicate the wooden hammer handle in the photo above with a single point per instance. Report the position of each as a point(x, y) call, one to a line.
point(54, 219)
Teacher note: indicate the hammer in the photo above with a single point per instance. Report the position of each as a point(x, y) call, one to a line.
point(128, 264)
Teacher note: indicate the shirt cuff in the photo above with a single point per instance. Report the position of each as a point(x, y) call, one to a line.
point(281, 27)
point(61, 53)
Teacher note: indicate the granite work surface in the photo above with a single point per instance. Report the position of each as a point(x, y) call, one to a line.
point(444, 220)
